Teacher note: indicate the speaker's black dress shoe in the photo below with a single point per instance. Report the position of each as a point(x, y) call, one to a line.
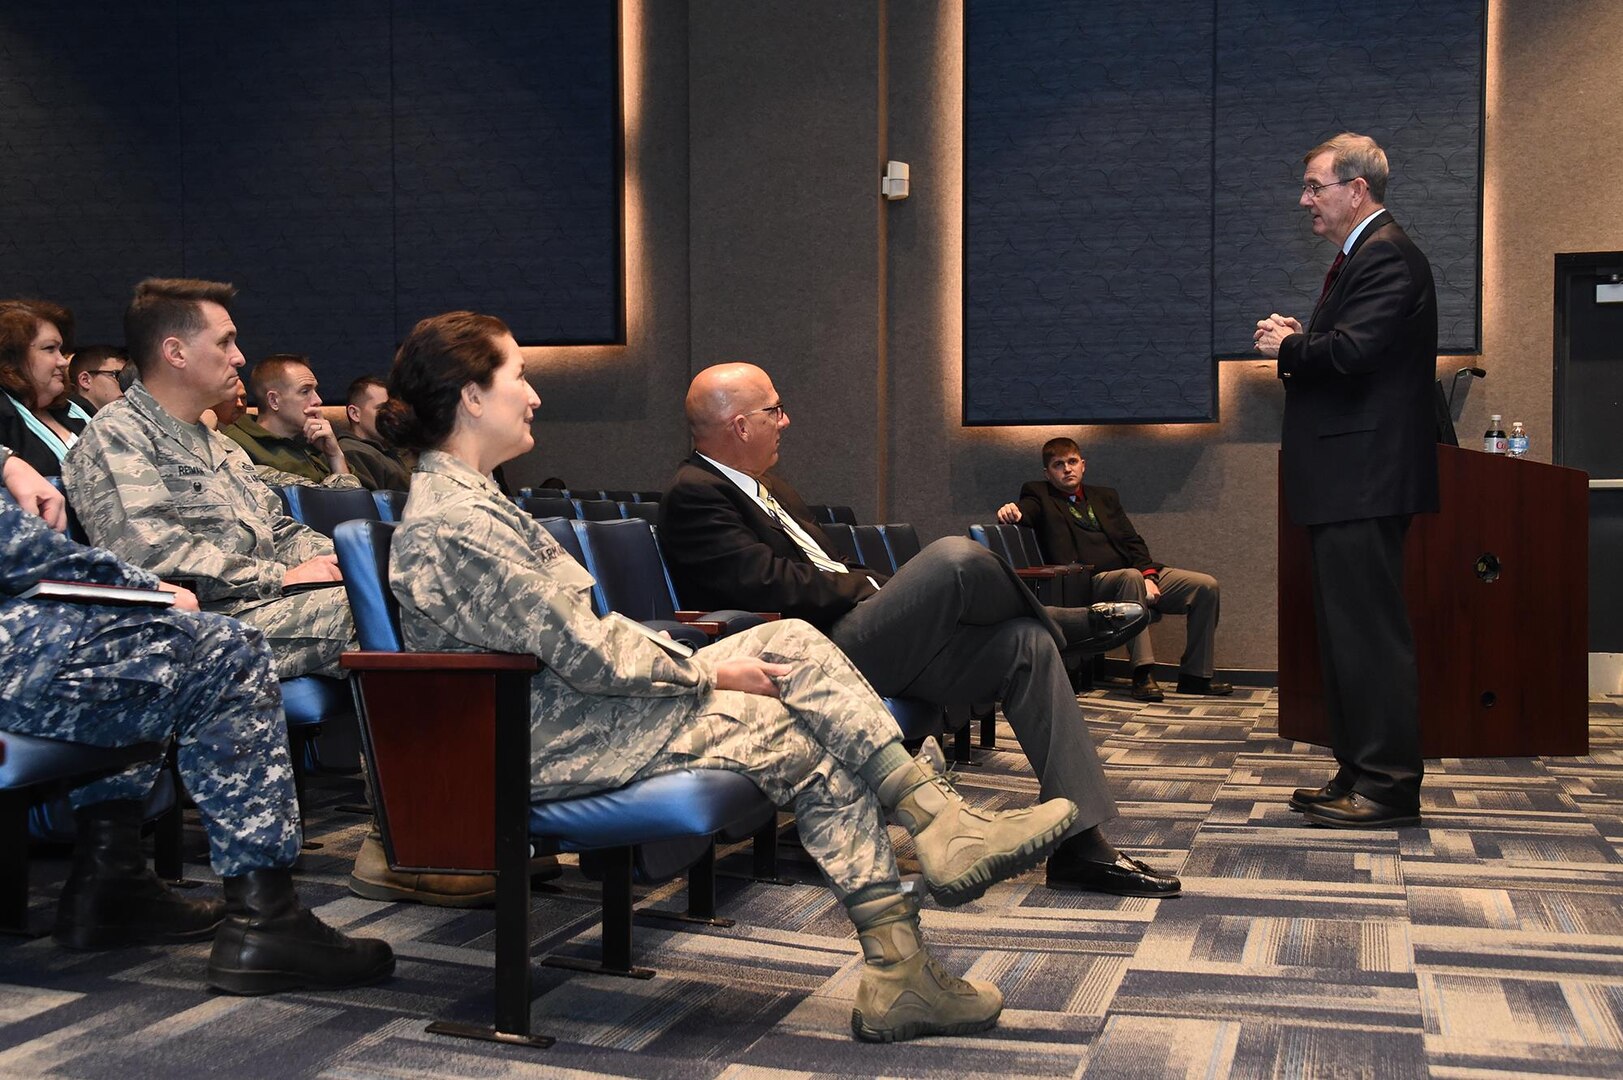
point(1124, 877)
point(1197, 684)
point(1101, 627)
point(1355, 811)
point(1305, 797)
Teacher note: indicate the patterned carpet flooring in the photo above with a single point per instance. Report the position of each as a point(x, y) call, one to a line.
point(1486, 943)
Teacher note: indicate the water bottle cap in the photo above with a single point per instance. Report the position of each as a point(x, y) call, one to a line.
point(1497, 417)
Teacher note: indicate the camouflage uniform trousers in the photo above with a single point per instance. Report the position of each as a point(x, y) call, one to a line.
point(307, 630)
point(205, 680)
point(803, 749)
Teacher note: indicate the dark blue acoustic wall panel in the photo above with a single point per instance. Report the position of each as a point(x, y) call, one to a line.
point(507, 131)
point(90, 192)
point(287, 173)
point(1131, 178)
point(1407, 73)
point(352, 165)
point(1088, 192)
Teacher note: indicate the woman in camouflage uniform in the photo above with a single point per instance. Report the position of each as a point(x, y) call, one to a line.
point(779, 703)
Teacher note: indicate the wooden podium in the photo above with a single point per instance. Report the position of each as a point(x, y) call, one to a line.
point(1497, 584)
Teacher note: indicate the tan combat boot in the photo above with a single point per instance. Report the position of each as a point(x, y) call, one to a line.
point(904, 992)
point(964, 851)
point(373, 879)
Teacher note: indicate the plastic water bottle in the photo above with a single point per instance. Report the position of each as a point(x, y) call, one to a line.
point(1517, 444)
point(1493, 440)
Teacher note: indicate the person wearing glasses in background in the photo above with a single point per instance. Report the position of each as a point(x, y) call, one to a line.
point(1358, 460)
point(93, 376)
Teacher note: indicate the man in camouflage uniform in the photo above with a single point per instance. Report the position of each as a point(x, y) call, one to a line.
point(153, 485)
point(118, 676)
point(470, 569)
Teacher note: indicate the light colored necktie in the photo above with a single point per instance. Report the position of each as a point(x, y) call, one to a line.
point(817, 555)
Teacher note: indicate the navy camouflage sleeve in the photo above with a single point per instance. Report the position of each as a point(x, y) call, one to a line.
point(31, 551)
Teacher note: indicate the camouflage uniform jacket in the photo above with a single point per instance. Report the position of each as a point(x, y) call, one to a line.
point(35, 638)
point(186, 503)
point(473, 571)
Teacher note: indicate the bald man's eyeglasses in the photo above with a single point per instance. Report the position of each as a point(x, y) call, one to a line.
point(776, 411)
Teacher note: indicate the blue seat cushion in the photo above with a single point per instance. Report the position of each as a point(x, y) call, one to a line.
point(29, 759)
point(688, 802)
point(312, 699)
point(51, 821)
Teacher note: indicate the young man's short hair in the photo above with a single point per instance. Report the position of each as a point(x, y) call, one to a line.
point(1054, 448)
point(272, 372)
point(358, 389)
point(92, 357)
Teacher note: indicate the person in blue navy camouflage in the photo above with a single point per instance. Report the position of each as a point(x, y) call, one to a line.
point(116, 676)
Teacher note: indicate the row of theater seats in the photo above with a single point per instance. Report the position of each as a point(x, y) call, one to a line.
point(602, 494)
point(588, 509)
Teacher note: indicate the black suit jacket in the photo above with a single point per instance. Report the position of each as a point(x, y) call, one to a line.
point(1359, 436)
point(1045, 509)
point(30, 447)
point(724, 551)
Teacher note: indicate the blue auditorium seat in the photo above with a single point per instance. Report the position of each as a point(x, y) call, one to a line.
point(623, 557)
point(31, 769)
point(596, 510)
point(648, 511)
point(323, 508)
point(391, 504)
point(902, 542)
point(428, 716)
point(545, 506)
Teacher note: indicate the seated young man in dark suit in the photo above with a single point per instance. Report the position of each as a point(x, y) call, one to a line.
point(1088, 525)
point(954, 625)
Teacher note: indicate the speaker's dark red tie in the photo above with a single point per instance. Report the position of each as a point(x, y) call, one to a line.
point(1330, 278)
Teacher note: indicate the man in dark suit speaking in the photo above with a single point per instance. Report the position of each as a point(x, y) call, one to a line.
point(1086, 524)
point(1359, 459)
point(954, 625)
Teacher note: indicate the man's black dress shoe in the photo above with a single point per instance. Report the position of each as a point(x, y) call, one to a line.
point(1195, 684)
point(1355, 811)
point(1305, 797)
point(1124, 877)
point(1108, 625)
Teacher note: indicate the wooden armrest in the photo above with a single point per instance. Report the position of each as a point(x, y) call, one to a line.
point(705, 626)
point(1037, 573)
point(438, 661)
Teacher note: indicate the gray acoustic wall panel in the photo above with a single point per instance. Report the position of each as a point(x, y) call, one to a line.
point(1131, 175)
point(353, 165)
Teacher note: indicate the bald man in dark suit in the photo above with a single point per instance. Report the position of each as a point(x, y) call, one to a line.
point(953, 625)
point(1359, 460)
